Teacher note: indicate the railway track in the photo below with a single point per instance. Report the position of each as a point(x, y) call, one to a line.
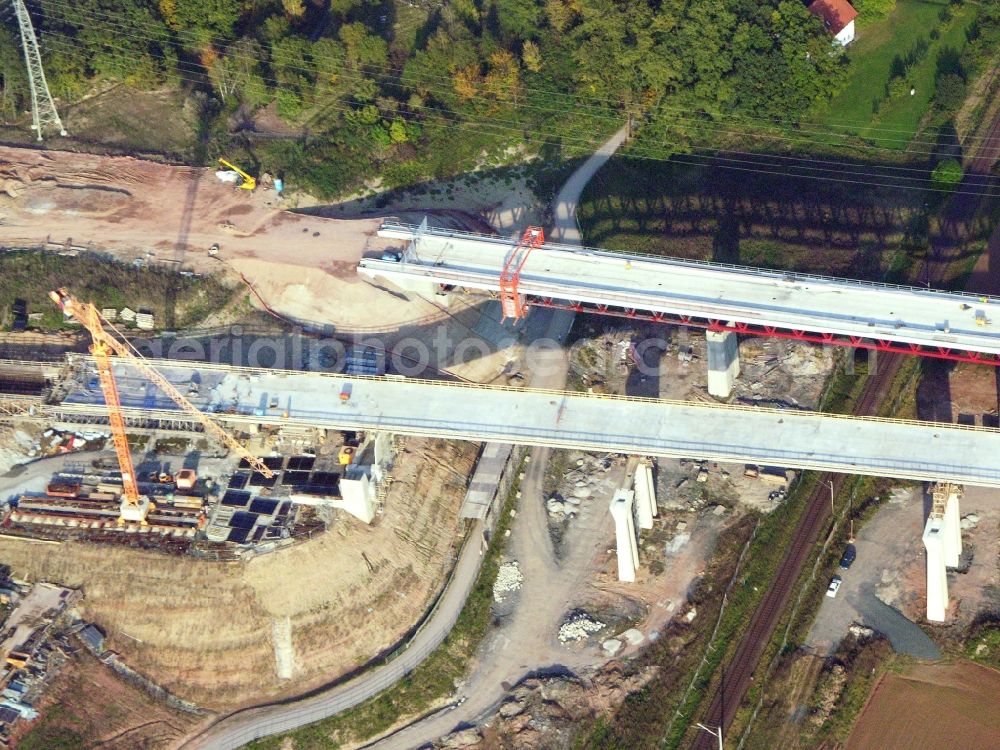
point(737, 676)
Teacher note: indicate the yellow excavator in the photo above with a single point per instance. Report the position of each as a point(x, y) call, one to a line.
point(247, 182)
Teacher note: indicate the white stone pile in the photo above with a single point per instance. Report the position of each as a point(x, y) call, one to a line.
point(578, 627)
point(508, 580)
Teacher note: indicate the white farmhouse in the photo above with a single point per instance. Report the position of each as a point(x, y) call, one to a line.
point(838, 17)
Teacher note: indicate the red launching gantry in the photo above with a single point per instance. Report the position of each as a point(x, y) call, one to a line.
point(512, 303)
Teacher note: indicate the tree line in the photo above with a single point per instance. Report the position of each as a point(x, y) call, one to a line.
point(409, 89)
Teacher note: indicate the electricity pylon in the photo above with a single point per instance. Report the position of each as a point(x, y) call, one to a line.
point(43, 109)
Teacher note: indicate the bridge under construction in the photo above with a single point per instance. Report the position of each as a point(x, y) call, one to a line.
point(718, 297)
point(248, 399)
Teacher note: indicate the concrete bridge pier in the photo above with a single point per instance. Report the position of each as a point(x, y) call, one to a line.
point(622, 510)
point(645, 494)
point(943, 541)
point(723, 362)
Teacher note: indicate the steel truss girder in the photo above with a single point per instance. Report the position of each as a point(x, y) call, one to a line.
point(753, 329)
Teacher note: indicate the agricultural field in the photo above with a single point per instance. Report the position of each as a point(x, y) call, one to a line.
point(934, 706)
point(712, 213)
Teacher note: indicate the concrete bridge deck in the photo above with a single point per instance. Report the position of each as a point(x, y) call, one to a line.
point(793, 302)
point(802, 440)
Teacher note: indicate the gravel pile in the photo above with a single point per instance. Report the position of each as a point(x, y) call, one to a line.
point(509, 579)
point(578, 627)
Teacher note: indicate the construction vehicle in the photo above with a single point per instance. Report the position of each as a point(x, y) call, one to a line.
point(135, 507)
point(185, 479)
point(246, 181)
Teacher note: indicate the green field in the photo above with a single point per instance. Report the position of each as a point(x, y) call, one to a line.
point(175, 300)
point(871, 56)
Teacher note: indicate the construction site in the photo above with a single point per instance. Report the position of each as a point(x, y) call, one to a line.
point(329, 482)
point(435, 473)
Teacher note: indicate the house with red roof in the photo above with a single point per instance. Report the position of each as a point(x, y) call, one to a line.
point(838, 17)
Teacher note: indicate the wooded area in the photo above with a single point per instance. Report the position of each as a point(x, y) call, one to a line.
point(423, 88)
point(410, 90)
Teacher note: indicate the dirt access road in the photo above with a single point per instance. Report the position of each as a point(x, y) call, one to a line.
point(521, 652)
point(526, 643)
point(304, 266)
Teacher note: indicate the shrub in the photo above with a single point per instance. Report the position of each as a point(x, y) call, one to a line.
point(947, 175)
point(949, 92)
point(871, 10)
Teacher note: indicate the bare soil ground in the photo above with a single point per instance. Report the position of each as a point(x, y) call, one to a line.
point(933, 706)
point(204, 630)
point(87, 705)
point(961, 393)
point(304, 266)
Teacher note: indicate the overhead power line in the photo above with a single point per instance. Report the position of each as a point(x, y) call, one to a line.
point(228, 48)
point(66, 43)
point(755, 164)
point(43, 108)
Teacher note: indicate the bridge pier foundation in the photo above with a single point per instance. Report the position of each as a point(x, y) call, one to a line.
point(849, 360)
point(723, 362)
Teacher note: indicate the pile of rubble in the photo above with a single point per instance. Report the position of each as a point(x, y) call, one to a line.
point(54, 442)
point(602, 364)
point(547, 712)
point(969, 521)
point(578, 485)
point(578, 626)
point(508, 580)
point(782, 373)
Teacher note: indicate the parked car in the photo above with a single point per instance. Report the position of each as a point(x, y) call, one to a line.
point(834, 587)
point(850, 553)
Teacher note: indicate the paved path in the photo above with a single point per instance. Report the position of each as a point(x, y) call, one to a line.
point(905, 635)
point(244, 726)
point(241, 727)
point(523, 644)
point(565, 226)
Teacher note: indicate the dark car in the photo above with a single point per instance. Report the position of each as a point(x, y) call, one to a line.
point(847, 559)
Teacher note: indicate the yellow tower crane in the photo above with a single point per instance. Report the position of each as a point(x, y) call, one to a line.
point(247, 182)
point(135, 507)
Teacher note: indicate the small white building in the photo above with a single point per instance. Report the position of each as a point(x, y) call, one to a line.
point(838, 17)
